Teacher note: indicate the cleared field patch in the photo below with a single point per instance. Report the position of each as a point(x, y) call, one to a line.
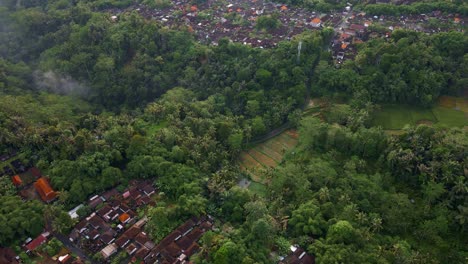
point(456, 103)
point(450, 117)
point(258, 159)
point(27, 178)
point(276, 145)
point(287, 140)
point(422, 115)
point(262, 158)
point(448, 112)
point(292, 133)
point(462, 104)
point(248, 162)
point(392, 117)
point(263, 148)
point(447, 101)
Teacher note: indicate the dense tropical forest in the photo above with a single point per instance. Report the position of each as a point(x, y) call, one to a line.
point(95, 103)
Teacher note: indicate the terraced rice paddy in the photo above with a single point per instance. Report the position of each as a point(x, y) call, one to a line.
point(267, 155)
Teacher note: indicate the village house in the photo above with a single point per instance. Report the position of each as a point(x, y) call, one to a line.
point(182, 243)
point(298, 256)
point(16, 180)
point(104, 230)
point(109, 250)
point(35, 243)
point(45, 191)
point(316, 22)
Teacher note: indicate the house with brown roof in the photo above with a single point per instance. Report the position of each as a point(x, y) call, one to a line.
point(122, 241)
point(131, 248)
point(181, 244)
point(141, 253)
point(132, 232)
point(45, 191)
point(298, 256)
point(358, 28)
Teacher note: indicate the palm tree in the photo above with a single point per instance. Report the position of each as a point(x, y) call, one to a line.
point(460, 186)
point(324, 194)
point(462, 216)
point(376, 224)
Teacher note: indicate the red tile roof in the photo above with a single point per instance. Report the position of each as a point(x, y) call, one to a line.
point(36, 242)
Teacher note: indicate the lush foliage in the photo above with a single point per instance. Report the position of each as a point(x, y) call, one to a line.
point(155, 104)
point(418, 7)
point(19, 220)
point(410, 68)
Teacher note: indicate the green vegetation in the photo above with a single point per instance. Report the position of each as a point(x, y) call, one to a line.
point(19, 219)
point(450, 117)
point(268, 22)
point(398, 116)
point(410, 68)
point(96, 102)
point(258, 189)
point(257, 159)
point(460, 7)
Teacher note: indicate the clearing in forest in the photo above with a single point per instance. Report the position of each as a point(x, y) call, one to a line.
point(449, 111)
point(267, 154)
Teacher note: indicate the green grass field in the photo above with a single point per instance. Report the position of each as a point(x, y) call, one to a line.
point(394, 117)
point(450, 117)
point(258, 189)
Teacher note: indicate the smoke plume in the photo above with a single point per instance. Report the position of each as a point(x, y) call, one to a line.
point(59, 84)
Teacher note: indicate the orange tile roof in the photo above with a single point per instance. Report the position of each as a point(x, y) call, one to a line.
point(124, 217)
point(344, 46)
point(193, 8)
point(45, 191)
point(316, 20)
point(16, 180)
point(283, 7)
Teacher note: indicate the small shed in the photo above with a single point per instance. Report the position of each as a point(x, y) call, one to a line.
point(16, 180)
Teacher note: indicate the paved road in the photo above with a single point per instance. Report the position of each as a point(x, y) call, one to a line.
point(73, 248)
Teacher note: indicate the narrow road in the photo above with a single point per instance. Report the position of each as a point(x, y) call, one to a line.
point(73, 248)
point(339, 28)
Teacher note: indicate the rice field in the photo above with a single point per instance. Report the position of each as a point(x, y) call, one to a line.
point(266, 155)
point(449, 111)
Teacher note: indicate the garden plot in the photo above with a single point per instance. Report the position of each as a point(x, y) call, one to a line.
point(266, 155)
